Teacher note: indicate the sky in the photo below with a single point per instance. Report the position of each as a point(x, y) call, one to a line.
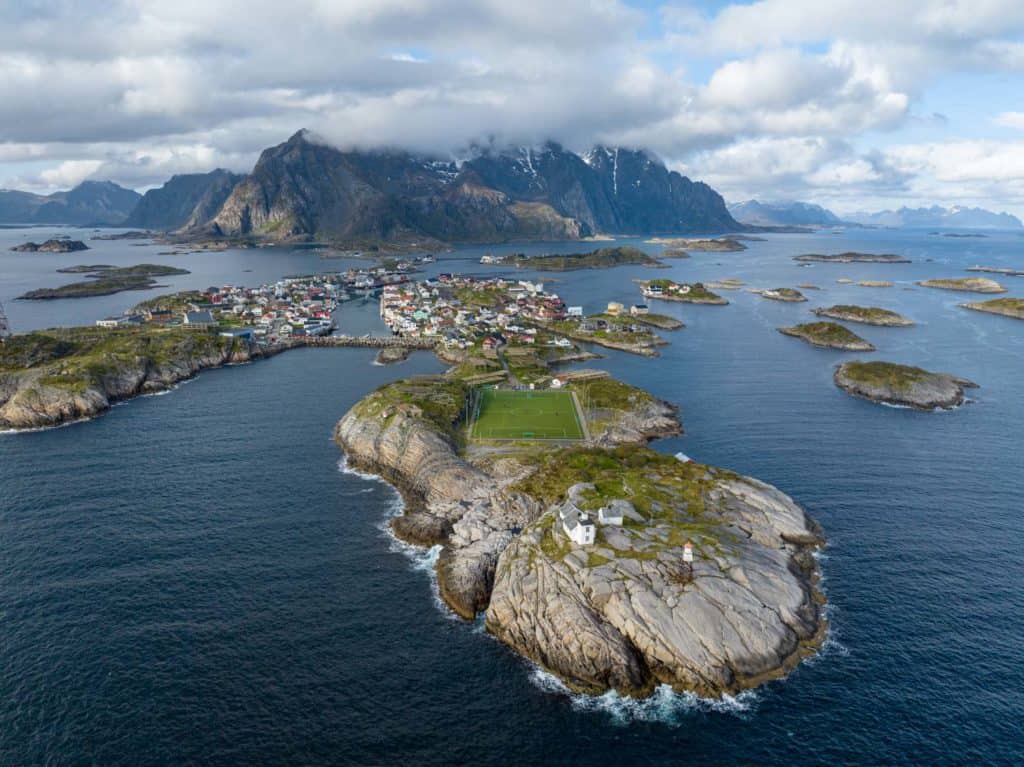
point(853, 104)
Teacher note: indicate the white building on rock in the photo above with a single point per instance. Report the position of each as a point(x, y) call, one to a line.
point(577, 525)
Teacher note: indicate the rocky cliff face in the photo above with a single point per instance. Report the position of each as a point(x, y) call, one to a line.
point(186, 200)
point(41, 396)
point(304, 188)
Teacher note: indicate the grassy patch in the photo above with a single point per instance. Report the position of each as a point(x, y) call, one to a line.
point(826, 334)
point(595, 259)
point(884, 374)
point(524, 415)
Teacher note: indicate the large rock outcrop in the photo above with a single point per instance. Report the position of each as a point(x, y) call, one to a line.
point(620, 614)
point(626, 614)
point(68, 383)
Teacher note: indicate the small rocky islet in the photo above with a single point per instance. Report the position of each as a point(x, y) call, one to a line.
point(965, 285)
point(852, 257)
point(868, 315)
point(902, 385)
point(1005, 307)
point(54, 245)
point(105, 280)
point(789, 295)
point(828, 335)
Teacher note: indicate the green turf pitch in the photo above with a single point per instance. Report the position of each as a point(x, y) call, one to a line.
point(525, 415)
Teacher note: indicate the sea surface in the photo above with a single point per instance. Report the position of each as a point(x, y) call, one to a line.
point(196, 578)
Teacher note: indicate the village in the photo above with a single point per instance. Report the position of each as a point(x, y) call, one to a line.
point(300, 306)
point(461, 311)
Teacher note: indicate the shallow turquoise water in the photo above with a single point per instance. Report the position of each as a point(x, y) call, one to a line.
point(193, 579)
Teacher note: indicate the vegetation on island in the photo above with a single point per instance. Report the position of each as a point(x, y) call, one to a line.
point(78, 358)
point(55, 245)
point(828, 335)
point(783, 294)
point(602, 258)
point(660, 321)
point(700, 244)
point(697, 292)
point(852, 257)
point(966, 285)
point(104, 280)
point(671, 496)
point(887, 375)
point(868, 315)
point(1007, 307)
point(439, 400)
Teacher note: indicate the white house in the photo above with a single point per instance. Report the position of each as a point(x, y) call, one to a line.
point(575, 311)
point(614, 512)
point(577, 525)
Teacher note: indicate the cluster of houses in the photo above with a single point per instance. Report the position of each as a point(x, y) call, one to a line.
point(462, 310)
point(294, 306)
point(577, 523)
point(653, 290)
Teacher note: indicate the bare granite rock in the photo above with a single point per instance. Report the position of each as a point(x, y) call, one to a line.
point(623, 618)
point(903, 385)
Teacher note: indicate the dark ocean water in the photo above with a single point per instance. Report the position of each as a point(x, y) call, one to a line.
point(193, 579)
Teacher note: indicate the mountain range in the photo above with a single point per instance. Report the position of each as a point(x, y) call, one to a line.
point(305, 188)
point(91, 203)
point(956, 217)
point(783, 213)
point(793, 213)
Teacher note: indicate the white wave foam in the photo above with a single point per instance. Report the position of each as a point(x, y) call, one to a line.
point(421, 559)
point(665, 705)
point(344, 468)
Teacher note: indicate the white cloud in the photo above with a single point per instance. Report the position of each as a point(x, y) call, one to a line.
point(1010, 120)
point(136, 90)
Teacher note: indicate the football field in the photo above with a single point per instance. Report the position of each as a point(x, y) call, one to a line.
point(518, 415)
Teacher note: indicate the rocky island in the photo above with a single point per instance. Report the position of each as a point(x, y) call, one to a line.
point(602, 258)
point(104, 280)
point(700, 245)
point(868, 315)
point(852, 257)
point(965, 285)
point(620, 609)
point(828, 335)
point(791, 295)
point(52, 377)
point(1004, 270)
point(55, 245)
point(668, 290)
point(892, 384)
point(1006, 307)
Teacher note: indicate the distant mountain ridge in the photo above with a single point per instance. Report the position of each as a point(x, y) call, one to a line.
point(957, 216)
point(184, 200)
point(90, 203)
point(783, 213)
point(305, 188)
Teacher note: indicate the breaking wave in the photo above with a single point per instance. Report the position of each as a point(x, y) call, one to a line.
point(665, 706)
point(421, 559)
